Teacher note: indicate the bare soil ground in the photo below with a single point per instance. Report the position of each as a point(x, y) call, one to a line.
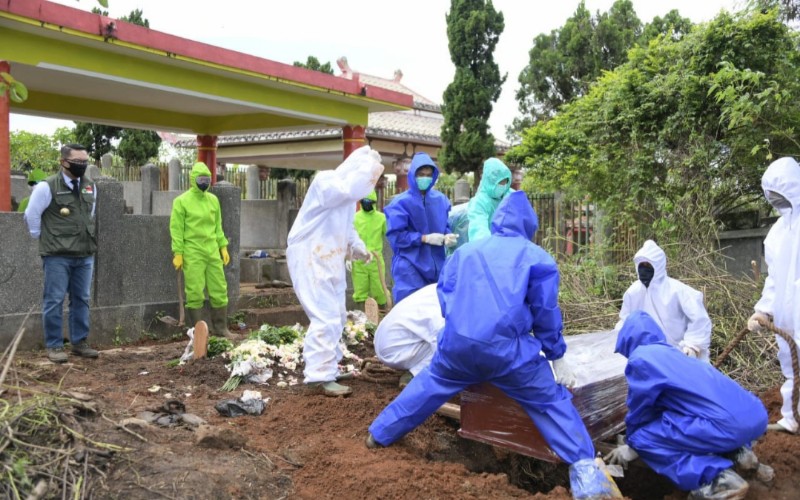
point(310, 446)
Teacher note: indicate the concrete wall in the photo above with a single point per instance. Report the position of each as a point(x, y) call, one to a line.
point(162, 202)
point(133, 277)
point(742, 247)
point(132, 191)
point(260, 225)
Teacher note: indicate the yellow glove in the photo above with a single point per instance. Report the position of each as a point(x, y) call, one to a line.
point(226, 259)
point(177, 261)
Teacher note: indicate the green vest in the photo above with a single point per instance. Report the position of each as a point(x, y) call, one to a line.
point(67, 224)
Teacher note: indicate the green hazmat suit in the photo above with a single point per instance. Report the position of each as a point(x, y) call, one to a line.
point(371, 228)
point(35, 176)
point(196, 229)
point(490, 193)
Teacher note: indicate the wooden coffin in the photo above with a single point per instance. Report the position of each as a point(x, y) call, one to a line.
point(491, 417)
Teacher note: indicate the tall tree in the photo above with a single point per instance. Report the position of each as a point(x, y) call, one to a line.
point(136, 147)
point(96, 138)
point(473, 30)
point(686, 125)
point(564, 63)
point(313, 63)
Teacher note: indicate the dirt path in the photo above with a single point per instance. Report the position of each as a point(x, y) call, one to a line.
point(308, 446)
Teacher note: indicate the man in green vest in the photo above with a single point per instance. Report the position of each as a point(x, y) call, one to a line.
point(61, 215)
point(35, 176)
point(370, 225)
point(200, 248)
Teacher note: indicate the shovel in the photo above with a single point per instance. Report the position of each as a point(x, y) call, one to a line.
point(169, 320)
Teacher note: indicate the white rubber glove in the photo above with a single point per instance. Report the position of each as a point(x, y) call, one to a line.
point(433, 239)
point(450, 240)
point(362, 255)
point(348, 264)
point(564, 374)
point(757, 322)
point(621, 455)
point(690, 350)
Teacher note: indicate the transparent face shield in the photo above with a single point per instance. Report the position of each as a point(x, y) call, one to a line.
point(778, 201)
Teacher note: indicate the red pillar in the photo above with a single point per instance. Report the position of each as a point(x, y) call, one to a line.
point(353, 137)
point(5, 147)
point(207, 153)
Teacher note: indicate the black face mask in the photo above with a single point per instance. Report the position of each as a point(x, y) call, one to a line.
point(202, 186)
point(77, 169)
point(367, 205)
point(645, 274)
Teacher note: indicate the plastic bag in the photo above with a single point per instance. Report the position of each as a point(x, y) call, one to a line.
point(249, 404)
point(588, 481)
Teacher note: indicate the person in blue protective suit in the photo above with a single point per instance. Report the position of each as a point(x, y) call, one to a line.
point(417, 229)
point(494, 293)
point(686, 420)
point(494, 186)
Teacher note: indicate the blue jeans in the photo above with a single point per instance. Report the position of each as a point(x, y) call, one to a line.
point(62, 275)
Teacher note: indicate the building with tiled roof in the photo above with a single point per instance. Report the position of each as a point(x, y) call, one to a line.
point(397, 135)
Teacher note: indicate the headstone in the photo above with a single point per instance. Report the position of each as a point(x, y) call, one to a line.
point(151, 181)
point(252, 183)
point(106, 161)
point(461, 191)
point(200, 343)
point(174, 173)
point(371, 310)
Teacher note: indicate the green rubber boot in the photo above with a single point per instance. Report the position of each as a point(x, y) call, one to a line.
point(219, 323)
point(193, 316)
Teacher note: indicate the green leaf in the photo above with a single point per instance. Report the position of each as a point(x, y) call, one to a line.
point(18, 92)
point(104, 3)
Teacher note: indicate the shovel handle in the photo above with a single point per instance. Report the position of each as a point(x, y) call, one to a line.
point(181, 314)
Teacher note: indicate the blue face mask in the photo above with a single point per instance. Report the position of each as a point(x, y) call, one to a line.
point(423, 183)
point(500, 190)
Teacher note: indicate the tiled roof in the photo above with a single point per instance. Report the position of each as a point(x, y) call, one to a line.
point(423, 124)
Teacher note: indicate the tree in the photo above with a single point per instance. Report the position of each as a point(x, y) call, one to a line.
point(29, 151)
point(96, 138)
point(687, 125)
point(136, 17)
point(473, 29)
point(564, 63)
point(137, 147)
point(313, 63)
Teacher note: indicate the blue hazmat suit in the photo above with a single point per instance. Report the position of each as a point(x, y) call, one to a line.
point(493, 293)
point(683, 414)
point(409, 216)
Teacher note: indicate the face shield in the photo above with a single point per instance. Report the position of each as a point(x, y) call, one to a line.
point(778, 201)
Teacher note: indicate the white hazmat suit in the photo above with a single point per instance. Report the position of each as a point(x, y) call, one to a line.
point(676, 307)
point(781, 295)
point(406, 337)
point(320, 238)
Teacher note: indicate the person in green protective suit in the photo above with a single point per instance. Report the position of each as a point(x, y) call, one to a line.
point(200, 248)
point(494, 186)
point(35, 176)
point(370, 225)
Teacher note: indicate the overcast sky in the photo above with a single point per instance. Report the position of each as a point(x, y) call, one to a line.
point(376, 36)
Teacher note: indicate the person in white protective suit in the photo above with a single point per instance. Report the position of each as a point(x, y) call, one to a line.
point(406, 337)
point(321, 237)
point(676, 307)
point(780, 298)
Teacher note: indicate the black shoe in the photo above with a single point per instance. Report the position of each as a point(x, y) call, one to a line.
point(83, 350)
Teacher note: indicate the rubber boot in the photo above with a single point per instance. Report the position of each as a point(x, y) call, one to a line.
point(330, 389)
point(219, 323)
point(193, 316)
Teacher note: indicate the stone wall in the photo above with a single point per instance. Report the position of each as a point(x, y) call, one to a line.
point(134, 280)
